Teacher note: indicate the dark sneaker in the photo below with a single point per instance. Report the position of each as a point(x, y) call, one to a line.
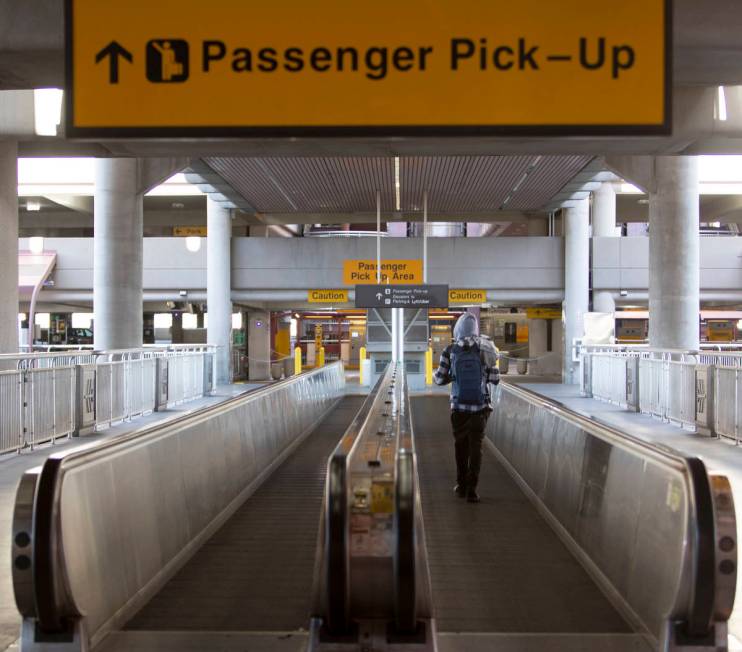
point(460, 491)
point(472, 496)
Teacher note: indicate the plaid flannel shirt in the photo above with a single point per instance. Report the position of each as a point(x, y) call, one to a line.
point(442, 375)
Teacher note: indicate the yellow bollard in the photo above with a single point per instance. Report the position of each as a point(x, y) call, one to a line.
point(321, 357)
point(297, 360)
point(361, 358)
point(429, 367)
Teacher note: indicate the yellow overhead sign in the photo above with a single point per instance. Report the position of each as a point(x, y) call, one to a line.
point(381, 67)
point(543, 313)
point(189, 231)
point(467, 296)
point(327, 296)
point(393, 272)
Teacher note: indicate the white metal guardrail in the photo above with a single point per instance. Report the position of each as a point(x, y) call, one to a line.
point(47, 396)
point(697, 390)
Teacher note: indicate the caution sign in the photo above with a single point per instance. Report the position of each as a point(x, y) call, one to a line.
point(543, 313)
point(393, 272)
point(467, 297)
point(327, 296)
point(161, 69)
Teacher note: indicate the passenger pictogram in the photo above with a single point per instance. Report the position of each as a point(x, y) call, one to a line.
point(167, 60)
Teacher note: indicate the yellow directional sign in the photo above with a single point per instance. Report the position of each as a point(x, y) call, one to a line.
point(543, 313)
point(378, 67)
point(327, 296)
point(393, 272)
point(467, 297)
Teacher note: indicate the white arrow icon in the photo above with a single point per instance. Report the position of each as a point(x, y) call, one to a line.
point(378, 296)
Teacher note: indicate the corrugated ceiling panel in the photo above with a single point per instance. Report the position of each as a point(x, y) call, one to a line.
point(349, 184)
point(549, 176)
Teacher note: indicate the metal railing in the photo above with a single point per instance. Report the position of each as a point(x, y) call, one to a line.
point(47, 396)
point(697, 390)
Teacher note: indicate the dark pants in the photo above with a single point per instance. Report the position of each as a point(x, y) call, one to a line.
point(468, 433)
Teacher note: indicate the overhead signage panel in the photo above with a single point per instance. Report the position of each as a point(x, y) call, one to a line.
point(382, 67)
point(393, 272)
point(402, 296)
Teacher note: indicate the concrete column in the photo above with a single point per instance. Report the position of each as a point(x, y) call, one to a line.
point(604, 226)
point(118, 255)
point(674, 241)
point(8, 247)
point(177, 328)
point(219, 286)
point(537, 338)
point(258, 345)
point(576, 281)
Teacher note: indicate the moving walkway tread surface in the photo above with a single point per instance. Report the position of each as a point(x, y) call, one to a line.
point(496, 566)
point(256, 572)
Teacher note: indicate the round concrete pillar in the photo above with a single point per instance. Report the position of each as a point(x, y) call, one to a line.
point(219, 286)
point(9, 247)
point(604, 226)
point(674, 254)
point(537, 338)
point(118, 255)
point(576, 282)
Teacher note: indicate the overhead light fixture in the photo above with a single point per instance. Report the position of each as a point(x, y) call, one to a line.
point(722, 104)
point(33, 206)
point(397, 186)
point(36, 245)
point(47, 110)
point(193, 243)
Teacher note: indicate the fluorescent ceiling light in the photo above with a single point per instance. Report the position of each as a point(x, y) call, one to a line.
point(397, 185)
point(33, 206)
point(47, 110)
point(722, 105)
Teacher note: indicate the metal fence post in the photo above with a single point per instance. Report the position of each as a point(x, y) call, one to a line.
point(705, 400)
point(161, 385)
point(85, 400)
point(587, 374)
point(632, 384)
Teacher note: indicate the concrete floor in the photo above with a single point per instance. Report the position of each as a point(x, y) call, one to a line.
point(719, 455)
point(13, 466)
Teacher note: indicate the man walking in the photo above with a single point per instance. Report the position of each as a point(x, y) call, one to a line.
point(470, 364)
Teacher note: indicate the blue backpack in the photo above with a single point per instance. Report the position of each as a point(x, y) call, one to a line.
point(467, 373)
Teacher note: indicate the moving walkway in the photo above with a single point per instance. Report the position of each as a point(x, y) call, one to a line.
point(231, 529)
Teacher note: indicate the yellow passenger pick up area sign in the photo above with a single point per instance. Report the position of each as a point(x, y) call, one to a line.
point(393, 272)
point(378, 67)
